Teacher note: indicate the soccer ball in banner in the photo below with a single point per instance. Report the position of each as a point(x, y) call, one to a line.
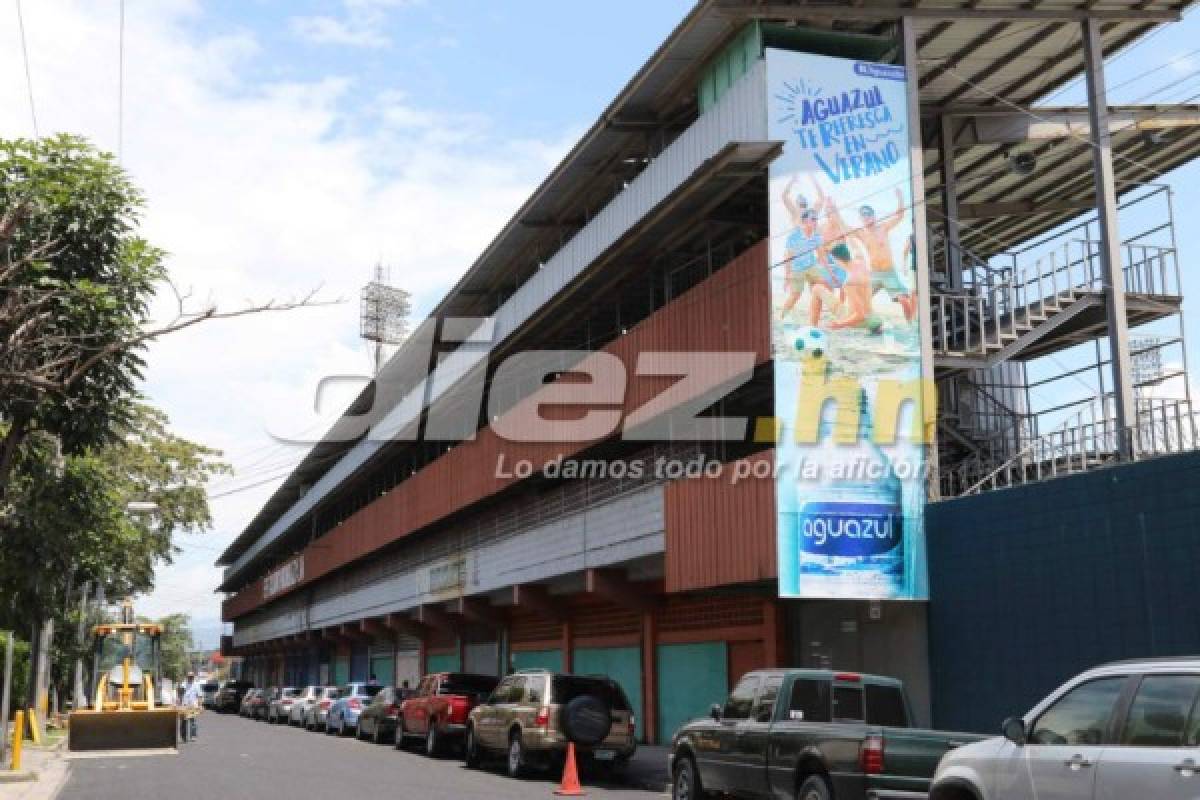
point(811, 343)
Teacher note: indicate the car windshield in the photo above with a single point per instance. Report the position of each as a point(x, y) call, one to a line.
point(468, 684)
point(568, 687)
point(292, 692)
point(370, 691)
point(209, 687)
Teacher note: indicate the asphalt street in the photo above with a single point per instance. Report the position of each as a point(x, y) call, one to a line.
point(238, 758)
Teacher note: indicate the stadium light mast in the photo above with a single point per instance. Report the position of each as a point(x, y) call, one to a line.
point(383, 317)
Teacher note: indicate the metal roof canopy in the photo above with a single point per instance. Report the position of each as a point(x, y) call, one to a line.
point(972, 52)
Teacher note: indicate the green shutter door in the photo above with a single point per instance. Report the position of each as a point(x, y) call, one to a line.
point(538, 659)
point(622, 664)
point(383, 667)
point(341, 670)
point(691, 677)
point(446, 662)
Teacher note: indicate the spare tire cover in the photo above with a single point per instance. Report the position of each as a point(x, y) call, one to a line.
point(586, 720)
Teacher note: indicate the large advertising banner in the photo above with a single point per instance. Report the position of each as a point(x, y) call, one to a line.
point(850, 480)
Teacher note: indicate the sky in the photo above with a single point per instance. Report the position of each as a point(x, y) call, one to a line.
point(289, 146)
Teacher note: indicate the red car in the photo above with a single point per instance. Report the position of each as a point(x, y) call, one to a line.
point(437, 711)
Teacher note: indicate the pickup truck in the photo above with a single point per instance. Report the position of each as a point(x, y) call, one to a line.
point(811, 735)
point(437, 711)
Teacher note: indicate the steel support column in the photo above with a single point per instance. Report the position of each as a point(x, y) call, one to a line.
point(908, 33)
point(950, 213)
point(1110, 239)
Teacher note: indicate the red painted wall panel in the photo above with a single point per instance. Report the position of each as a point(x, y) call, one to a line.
point(720, 533)
point(728, 312)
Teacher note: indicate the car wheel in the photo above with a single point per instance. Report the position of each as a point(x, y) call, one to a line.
point(433, 747)
point(516, 755)
point(471, 754)
point(377, 734)
point(814, 788)
point(398, 736)
point(686, 785)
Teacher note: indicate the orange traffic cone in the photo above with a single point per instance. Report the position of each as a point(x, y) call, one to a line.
point(570, 780)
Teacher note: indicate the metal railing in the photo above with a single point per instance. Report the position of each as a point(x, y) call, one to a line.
point(1164, 426)
point(994, 308)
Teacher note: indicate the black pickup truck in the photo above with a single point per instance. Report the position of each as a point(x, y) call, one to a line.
point(810, 735)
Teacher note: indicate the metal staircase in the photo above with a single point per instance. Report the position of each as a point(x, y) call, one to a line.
point(1058, 301)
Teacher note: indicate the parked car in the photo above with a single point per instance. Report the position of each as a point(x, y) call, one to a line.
point(1122, 731)
point(379, 719)
point(521, 719)
point(262, 703)
point(229, 696)
point(437, 711)
point(812, 734)
point(299, 708)
point(208, 694)
point(351, 700)
point(248, 702)
point(279, 708)
point(318, 713)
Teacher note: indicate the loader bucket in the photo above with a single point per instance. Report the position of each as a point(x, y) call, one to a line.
point(89, 731)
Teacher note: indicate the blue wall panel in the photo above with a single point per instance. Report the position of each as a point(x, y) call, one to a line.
point(1034, 584)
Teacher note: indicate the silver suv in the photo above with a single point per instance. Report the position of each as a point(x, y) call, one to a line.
point(1125, 730)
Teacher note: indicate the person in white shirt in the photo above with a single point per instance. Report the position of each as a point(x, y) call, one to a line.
point(191, 700)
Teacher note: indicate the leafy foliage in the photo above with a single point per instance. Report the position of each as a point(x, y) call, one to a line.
point(75, 282)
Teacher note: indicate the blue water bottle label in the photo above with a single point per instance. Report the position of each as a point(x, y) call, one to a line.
point(850, 529)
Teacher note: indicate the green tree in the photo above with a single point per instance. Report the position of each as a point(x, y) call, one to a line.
point(76, 280)
point(176, 644)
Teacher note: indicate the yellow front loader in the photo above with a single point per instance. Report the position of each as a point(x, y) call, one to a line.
point(124, 713)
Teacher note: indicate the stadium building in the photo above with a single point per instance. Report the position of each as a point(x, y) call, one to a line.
point(870, 204)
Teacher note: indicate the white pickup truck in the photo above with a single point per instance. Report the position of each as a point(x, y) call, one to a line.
point(1124, 731)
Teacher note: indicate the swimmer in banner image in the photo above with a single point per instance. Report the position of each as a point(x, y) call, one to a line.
point(875, 235)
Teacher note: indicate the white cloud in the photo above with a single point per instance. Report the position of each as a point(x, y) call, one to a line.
point(261, 191)
point(360, 26)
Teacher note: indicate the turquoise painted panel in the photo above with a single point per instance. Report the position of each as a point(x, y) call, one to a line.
point(622, 664)
point(446, 662)
point(538, 659)
point(691, 677)
point(384, 669)
point(341, 670)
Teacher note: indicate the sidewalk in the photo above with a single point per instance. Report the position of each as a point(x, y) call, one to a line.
point(47, 764)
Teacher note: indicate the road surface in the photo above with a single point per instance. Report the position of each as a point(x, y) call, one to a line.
point(235, 758)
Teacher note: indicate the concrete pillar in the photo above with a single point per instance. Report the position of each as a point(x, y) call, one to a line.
point(1110, 239)
point(649, 721)
point(916, 159)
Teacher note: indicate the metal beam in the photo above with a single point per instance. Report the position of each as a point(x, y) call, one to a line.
point(534, 598)
point(1110, 238)
point(475, 610)
point(916, 155)
point(435, 617)
point(879, 13)
point(950, 211)
point(1015, 208)
point(615, 587)
point(1037, 124)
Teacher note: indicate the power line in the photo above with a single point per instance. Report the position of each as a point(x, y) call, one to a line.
point(28, 74)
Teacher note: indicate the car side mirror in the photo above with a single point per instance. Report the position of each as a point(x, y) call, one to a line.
point(715, 711)
point(1014, 730)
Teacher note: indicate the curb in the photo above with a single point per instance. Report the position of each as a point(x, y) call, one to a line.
point(24, 776)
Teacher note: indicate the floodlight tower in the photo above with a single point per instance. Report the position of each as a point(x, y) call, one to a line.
point(383, 317)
